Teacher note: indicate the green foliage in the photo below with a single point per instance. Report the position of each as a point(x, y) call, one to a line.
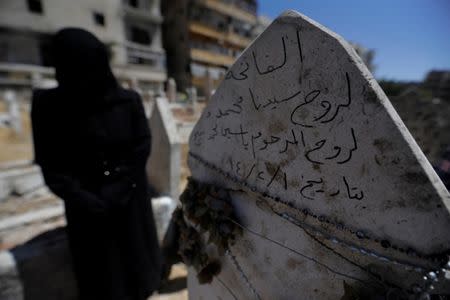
point(393, 87)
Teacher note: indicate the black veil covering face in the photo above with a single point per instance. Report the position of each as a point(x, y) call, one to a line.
point(92, 141)
point(81, 63)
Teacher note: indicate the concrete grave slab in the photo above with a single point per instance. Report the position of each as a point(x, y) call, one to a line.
point(163, 165)
point(333, 193)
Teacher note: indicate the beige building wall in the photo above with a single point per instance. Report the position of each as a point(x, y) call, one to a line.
point(22, 31)
point(63, 13)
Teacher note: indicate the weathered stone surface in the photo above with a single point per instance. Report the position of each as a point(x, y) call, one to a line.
point(21, 180)
point(335, 195)
point(163, 166)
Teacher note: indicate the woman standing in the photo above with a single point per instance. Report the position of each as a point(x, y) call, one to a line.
point(92, 141)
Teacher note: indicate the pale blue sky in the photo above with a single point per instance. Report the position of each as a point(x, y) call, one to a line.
point(410, 36)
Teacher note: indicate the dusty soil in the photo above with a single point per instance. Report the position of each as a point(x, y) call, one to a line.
point(176, 288)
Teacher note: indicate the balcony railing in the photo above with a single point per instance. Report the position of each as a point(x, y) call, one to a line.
point(141, 14)
point(229, 9)
point(211, 58)
point(142, 55)
point(249, 6)
point(228, 37)
point(12, 74)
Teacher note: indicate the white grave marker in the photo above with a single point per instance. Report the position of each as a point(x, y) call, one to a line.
point(335, 197)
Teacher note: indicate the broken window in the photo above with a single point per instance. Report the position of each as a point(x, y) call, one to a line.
point(45, 51)
point(99, 18)
point(133, 3)
point(35, 6)
point(140, 35)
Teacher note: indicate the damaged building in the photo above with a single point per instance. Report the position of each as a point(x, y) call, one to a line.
point(130, 28)
point(202, 39)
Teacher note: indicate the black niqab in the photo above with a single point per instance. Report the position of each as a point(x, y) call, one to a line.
point(82, 63)
point(92, 141)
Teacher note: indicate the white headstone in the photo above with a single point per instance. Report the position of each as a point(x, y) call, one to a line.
point(192, 95)
point(209, 85)
point(171, 90)
point(193, 100)
point(148, 100)
point(13, 110)
point(163, 165)
point(335, 197)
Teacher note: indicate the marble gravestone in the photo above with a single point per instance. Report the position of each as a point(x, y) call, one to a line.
point(335, 197)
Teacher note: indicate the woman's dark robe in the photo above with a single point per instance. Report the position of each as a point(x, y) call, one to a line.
point(92, 141)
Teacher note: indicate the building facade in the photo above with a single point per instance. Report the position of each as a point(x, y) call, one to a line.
point(130, 28)
point(207, 36)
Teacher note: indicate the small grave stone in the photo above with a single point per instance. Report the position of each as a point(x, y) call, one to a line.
point(163, 165)
point(171, 90)
point(13, 111)
point(192, 101)
point(209, 85)
point(335, 198)
point(192, 95)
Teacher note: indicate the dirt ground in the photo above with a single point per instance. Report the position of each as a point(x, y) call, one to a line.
point(176, 288)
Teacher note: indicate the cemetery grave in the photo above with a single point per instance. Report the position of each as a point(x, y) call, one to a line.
point(334, 198)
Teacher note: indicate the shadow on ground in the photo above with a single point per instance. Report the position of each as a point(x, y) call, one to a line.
point(45, 268)
point(174, 285)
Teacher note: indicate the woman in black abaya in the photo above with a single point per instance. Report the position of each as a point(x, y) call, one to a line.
point(92, 141)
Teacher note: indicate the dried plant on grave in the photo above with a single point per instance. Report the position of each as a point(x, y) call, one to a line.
point(210, 212)
point(210, 208)
point(192, 250)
